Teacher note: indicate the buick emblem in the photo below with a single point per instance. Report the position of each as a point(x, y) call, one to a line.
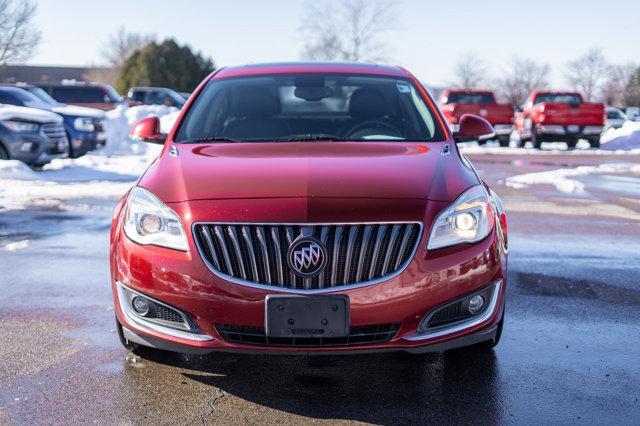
point(307, 257)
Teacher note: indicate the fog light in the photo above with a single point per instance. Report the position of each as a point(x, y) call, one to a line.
point(476, 303)
point(140, 305)
point(26, 147)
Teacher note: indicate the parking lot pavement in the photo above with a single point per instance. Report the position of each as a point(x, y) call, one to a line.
point(569, 352)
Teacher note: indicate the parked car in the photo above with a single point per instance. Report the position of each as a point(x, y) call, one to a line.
point(615, 118)
point(185, 95)
point(301, 208)
point(633, 113)
point(156, 96)
point(559, 116)
point(84, 126)
point(31, 135)
point(455, 103)
point(91, 95)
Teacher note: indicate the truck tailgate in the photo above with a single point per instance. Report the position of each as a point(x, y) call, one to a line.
point(493, 113)
point(586, 114)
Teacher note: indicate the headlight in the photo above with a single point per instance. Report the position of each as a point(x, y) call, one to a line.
point(148, 221)
point(21, 126)
point(84, 124)
point(467, 220)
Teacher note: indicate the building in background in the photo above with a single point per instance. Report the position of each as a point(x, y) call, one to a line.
point(53, 74)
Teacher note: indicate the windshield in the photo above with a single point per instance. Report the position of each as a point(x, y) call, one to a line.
point(309, 107)
point(20, 97)
point(41, 94)
point(471, 98)
point(558, 98)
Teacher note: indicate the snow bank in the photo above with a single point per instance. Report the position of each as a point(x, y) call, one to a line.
point(107, 173)
point(14, 169)
point(120, 120)
point(30, 114)
point(625, 138)
point(561, 178)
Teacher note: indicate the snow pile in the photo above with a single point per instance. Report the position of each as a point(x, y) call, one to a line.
point(93, 176)
point(625, 138)
point(105, 174)
point(561, 178)
point(14, 169)
point(120, 120)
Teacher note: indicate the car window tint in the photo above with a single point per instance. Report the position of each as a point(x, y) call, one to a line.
point(78, 94)
point(279, 107)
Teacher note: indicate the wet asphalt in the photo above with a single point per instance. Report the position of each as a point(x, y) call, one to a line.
point(570, 351)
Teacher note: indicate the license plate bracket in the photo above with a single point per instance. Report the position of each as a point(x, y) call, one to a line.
point(573, 129)
point(307, 316)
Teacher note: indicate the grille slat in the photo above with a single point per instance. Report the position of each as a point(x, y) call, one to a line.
point(356, 253)
point(275, 237)
point(225, 250)
point(246, 234)
point(376, 250)
point(358, 336)
point(233, 234)
point(334, 258)
point(265, 253)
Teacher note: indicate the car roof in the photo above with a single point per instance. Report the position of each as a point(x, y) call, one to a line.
point(310, 67)
point(75, 85)
point(10, 88)
point(149, 88)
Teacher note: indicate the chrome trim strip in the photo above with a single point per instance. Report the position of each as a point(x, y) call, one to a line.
point(145, 325)
point(489, 312)
point(382, 229)
point(303, 291)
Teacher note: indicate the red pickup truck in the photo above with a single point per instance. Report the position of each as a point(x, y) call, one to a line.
point(559, 116)
point(455, 103)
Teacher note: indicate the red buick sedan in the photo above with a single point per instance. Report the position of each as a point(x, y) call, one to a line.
point(309, 208)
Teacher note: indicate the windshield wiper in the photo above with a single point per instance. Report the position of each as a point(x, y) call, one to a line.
point(312, 138)
point(211, 139)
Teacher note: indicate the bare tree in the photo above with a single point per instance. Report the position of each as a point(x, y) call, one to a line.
point(588, 73)
point(470, 72)
point(122, 44)
point(18, 37)
point(632, 91)
point(520, 78)
point(613, 90)
point(349, 30)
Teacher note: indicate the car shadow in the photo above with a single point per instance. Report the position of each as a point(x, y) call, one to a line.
point(456, 386)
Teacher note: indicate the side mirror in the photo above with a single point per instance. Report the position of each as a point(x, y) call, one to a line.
point(148, 130)
point(472, 128)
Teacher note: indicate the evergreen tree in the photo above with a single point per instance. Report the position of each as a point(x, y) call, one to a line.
point(165, 65)
point(632, 92)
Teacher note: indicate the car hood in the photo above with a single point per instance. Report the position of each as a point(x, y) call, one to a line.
point(28, 114)
point(285, 170)
point(78, 111)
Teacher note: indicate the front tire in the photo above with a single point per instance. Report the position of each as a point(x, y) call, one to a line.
point(3, 154)
point(535, 139)
point(490, 344)
point(504, 141)
point(133, 347)
point(595, 142)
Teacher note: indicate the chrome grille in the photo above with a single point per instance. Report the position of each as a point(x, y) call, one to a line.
point(54, 131)
point(356, 253)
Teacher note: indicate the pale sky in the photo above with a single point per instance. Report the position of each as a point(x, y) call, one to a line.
point(429, 36)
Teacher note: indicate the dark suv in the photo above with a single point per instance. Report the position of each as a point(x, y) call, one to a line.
point(156, 96)
point(92, 95)
point(31, 135)
point(84, 126)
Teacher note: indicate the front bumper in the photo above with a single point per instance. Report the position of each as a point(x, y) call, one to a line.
point(432, 279)
point(562, 133)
